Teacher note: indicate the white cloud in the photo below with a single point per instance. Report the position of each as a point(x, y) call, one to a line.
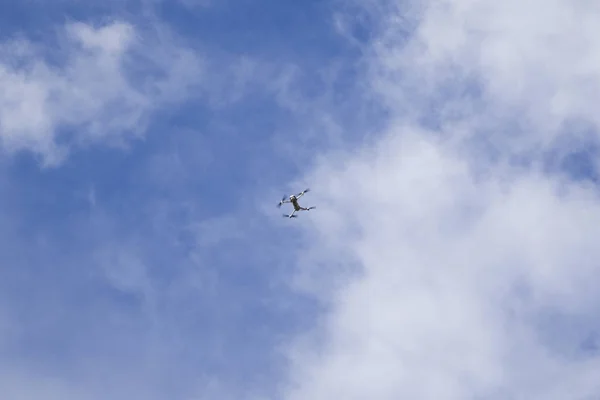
point(475, 280)
point(537, 60)
point(455, 277)
point(113, 77)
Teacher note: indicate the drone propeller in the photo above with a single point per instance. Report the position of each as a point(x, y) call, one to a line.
point(290, 216)
point(281, 201)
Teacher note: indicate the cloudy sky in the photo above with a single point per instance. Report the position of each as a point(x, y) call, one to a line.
point(452, 150)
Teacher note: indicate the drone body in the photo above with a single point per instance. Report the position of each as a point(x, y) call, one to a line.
point(294, 200)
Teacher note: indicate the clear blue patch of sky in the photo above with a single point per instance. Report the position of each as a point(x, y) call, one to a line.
point(568, 335)
point(575, 152)
point(283, 30)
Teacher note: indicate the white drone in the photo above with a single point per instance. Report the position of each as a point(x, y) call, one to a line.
point(294, 200)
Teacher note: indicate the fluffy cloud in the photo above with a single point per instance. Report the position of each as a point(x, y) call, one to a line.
point(533, 64)
point(447, 275)
point(100, 84)
point(456, 279)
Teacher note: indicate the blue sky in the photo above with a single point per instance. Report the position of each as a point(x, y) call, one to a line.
point(145, 144)
point(108, 267)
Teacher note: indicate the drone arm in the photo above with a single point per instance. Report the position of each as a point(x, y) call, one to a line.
point(282, 201)
point(303, 192)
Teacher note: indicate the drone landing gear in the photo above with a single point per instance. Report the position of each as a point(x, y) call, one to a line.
point(290, 215)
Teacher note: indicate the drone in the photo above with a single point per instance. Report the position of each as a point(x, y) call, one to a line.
point(294, 200)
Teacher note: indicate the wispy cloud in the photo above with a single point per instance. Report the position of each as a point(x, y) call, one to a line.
point(110, 80)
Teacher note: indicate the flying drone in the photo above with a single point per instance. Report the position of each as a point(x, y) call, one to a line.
point(294, 200)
